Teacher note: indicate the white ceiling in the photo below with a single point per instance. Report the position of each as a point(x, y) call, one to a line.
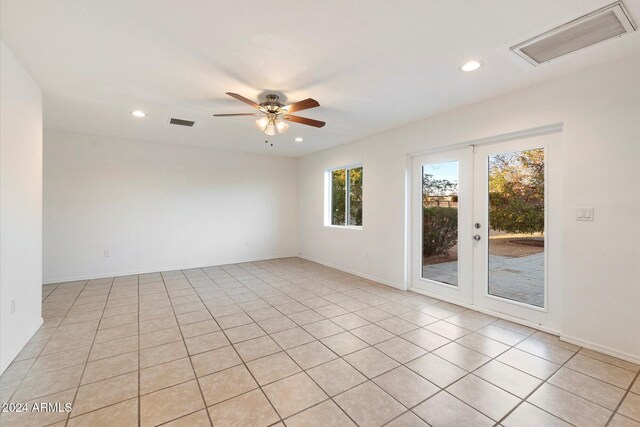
point(373, 65)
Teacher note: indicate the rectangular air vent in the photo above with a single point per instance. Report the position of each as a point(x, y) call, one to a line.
point(603, 24)
point(180, 122)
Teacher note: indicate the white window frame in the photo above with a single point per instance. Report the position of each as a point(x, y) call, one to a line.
point(328, 196)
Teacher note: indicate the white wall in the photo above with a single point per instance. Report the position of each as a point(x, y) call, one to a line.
point(600, 262)
point(20, 206)
point(160, 207)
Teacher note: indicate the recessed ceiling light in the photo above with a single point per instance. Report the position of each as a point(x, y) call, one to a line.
point(471, 66)
point(139, 113)
point(298, 139)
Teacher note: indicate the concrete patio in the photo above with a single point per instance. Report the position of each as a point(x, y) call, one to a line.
point(519, 279)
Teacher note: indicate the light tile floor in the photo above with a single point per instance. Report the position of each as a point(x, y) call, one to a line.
point(290, 342)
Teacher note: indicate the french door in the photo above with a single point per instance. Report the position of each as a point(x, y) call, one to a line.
point(442, 208)
point(480, 221)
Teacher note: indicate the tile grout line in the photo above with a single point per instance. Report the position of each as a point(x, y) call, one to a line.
point(514, 346)
point(431, 351)
point(543, 381)
point(184, 342)
point(88, 355)
point(307, 375)
point(356, 368)
point(110, 405)
point(40, 352)
point(206, 410)
point(338, 357)
point(329, 398)
point(563, 365)
point(280, 419)
point(368, 379)
point(104, 379)
point(94, 382)
point(536, 389)
point(248, 287)
point(49, 294)
point(595, 378)
point(468, 373)
point(613, 414)
point(301, 371)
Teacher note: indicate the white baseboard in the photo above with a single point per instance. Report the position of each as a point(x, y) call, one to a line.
point(355, 273)
point(8, 358)
point(164, 268)
point(602, 349)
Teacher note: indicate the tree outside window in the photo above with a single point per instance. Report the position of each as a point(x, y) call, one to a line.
point(346, 196)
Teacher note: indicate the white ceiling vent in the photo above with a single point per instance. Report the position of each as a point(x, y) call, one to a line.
point(603, 24)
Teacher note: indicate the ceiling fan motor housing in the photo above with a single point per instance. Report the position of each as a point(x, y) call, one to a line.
point(272, 104)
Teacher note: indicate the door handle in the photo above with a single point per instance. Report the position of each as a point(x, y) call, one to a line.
point(477, 237)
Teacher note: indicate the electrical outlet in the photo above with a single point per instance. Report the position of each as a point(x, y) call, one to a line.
point(13, 306)
point(107, 253)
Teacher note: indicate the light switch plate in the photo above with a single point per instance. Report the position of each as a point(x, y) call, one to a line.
point(584, 214)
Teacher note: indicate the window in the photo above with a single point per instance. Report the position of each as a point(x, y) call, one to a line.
point(345, 196)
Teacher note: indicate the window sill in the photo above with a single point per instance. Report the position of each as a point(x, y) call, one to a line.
point(345, 227)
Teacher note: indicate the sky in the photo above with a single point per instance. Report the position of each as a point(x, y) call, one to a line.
point(447, 170)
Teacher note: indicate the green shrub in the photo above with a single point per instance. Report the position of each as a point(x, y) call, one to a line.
point(439, 230)
point(516, 192)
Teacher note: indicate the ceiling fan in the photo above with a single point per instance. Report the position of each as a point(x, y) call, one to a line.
point(275, 114)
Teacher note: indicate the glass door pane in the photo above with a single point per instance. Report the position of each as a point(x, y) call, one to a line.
point(440, 222)
point(516, 226)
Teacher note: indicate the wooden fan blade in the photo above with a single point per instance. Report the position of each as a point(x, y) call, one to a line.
point(304, 121)
point(239, 114)
point(302, 105)
point(243, 99)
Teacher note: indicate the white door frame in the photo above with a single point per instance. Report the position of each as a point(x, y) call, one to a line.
point(549, 320)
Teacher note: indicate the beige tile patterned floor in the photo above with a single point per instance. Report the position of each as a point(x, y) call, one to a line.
point(290, 342)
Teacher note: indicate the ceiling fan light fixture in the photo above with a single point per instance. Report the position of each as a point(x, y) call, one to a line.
point(262, 123)
point(282, 126)
point(270, 129)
